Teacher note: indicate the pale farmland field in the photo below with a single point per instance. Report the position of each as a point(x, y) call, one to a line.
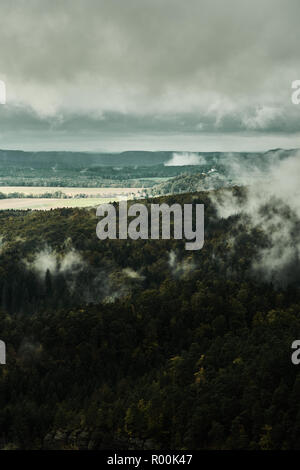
point(51, 203)
point(70, 192)
point(93, 197)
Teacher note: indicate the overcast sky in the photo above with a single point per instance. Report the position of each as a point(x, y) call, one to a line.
point(120, 74)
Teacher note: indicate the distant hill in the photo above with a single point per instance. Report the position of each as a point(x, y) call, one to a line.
point(64, 160)
point(68, 160)
point(221, 170)
point(190, 183)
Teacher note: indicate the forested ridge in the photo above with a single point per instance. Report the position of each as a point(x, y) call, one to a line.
point(142, 344)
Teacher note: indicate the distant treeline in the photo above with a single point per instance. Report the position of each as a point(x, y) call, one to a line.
point(54, 195)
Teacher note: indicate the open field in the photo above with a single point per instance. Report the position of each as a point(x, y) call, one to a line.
point(70, 192)
point(49, 203)
point(33, 199)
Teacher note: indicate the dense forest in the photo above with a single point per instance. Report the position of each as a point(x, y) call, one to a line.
point(191, 182)
point(123, 344)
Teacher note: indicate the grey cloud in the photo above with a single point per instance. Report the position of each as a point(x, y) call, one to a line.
point(196, 66)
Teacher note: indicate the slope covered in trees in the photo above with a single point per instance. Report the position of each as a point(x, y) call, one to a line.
point(141, 344)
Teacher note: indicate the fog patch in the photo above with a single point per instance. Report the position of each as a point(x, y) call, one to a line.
point(185, 158)
point(271, 204)
point(57, 263)
point(131, 274)
point(180, 268)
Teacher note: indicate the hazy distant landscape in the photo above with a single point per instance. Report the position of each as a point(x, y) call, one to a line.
point(48, 180)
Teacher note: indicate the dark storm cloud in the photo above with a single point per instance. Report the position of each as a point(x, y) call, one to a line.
point(194, 66)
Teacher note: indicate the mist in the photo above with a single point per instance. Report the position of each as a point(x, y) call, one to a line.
point(271, 204)
point(185, 158)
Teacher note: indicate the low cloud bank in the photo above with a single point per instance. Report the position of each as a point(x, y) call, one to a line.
point(185, 158)
point(271, 203)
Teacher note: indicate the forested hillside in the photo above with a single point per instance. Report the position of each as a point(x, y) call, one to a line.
point(142, 344)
